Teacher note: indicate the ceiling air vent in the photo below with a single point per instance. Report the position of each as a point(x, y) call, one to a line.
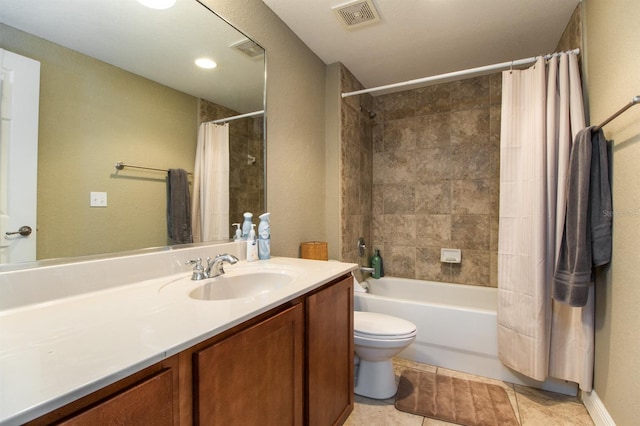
point(248, 47)
point(355, 14)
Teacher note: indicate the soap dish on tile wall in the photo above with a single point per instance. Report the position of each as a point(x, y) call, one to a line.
point(450, 255)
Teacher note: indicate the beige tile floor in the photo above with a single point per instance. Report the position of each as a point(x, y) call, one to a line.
point(532, 407)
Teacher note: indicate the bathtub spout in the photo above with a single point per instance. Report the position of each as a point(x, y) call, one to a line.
point(365, 269)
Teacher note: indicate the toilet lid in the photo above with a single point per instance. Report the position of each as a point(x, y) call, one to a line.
point(374, 324)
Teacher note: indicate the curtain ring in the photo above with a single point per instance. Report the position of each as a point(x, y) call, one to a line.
point(511, 68)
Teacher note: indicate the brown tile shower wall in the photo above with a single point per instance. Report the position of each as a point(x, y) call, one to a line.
point(434, 154)
point(436, 180)
point(246, 181)
point(356, 169)
point(434, 177)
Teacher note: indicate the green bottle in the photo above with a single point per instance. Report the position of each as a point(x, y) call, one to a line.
point(376, 264)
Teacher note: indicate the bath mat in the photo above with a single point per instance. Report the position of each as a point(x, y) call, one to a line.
point(454, 400)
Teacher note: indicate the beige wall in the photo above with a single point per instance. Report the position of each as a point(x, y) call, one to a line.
point(91, 115)
point(613, 70)
point(295, 125)
point(333, 161)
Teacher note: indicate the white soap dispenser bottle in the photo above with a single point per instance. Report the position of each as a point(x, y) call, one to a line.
point(238, 235)
point(252, 245)
point(264, 237)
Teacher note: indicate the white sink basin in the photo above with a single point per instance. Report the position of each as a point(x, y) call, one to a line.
point(226, 287)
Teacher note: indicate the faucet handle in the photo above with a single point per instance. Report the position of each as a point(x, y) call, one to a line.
point(197, 262)
point(198, 270)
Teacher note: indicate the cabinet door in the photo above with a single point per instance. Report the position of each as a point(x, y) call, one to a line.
point(330, 354)
point(254, 377)
point(149, 402)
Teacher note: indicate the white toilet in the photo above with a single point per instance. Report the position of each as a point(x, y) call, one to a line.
point(377, 338)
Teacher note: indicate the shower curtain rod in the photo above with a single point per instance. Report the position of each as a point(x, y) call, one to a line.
point(236, 117)
point(120, 165)
point(634, 101)
point(502, 65)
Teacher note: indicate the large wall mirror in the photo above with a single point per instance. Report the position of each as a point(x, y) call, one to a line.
point(118, 83)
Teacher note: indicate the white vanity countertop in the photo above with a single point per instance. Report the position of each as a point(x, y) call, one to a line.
point(55, 352)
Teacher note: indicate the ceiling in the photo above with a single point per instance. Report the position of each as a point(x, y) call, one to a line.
point(422, 38)
point(160, 45)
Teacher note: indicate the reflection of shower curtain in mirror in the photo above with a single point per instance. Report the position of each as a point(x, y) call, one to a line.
point(210, 201)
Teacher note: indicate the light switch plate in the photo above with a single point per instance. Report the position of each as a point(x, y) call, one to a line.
point(98, 199)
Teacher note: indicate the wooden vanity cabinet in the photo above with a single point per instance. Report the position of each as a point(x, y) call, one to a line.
point(294, 368)
point(149, 402)
point(330, 373)
point(254, 377)
point(148, 397)
point(292, 365)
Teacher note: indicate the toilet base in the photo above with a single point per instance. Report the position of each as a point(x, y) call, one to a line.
point(376, 379)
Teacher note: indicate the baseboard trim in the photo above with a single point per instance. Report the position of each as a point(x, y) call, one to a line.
point(596, 409)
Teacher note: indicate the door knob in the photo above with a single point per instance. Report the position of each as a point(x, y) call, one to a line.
point(25, 231)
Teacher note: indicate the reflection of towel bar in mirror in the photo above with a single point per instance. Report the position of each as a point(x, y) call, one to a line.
point(120, 165)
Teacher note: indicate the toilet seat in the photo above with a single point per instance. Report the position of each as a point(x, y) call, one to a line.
point(371, 325)
point(384, 337)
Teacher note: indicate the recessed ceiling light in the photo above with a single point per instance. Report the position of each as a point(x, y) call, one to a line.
point(158, 4)
point(206, 63)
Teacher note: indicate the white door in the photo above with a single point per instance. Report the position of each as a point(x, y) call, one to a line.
point(20, 94)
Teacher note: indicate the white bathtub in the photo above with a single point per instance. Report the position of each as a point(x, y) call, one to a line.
point(457, 326)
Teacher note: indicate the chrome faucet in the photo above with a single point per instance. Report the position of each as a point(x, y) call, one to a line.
point(214, 266)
